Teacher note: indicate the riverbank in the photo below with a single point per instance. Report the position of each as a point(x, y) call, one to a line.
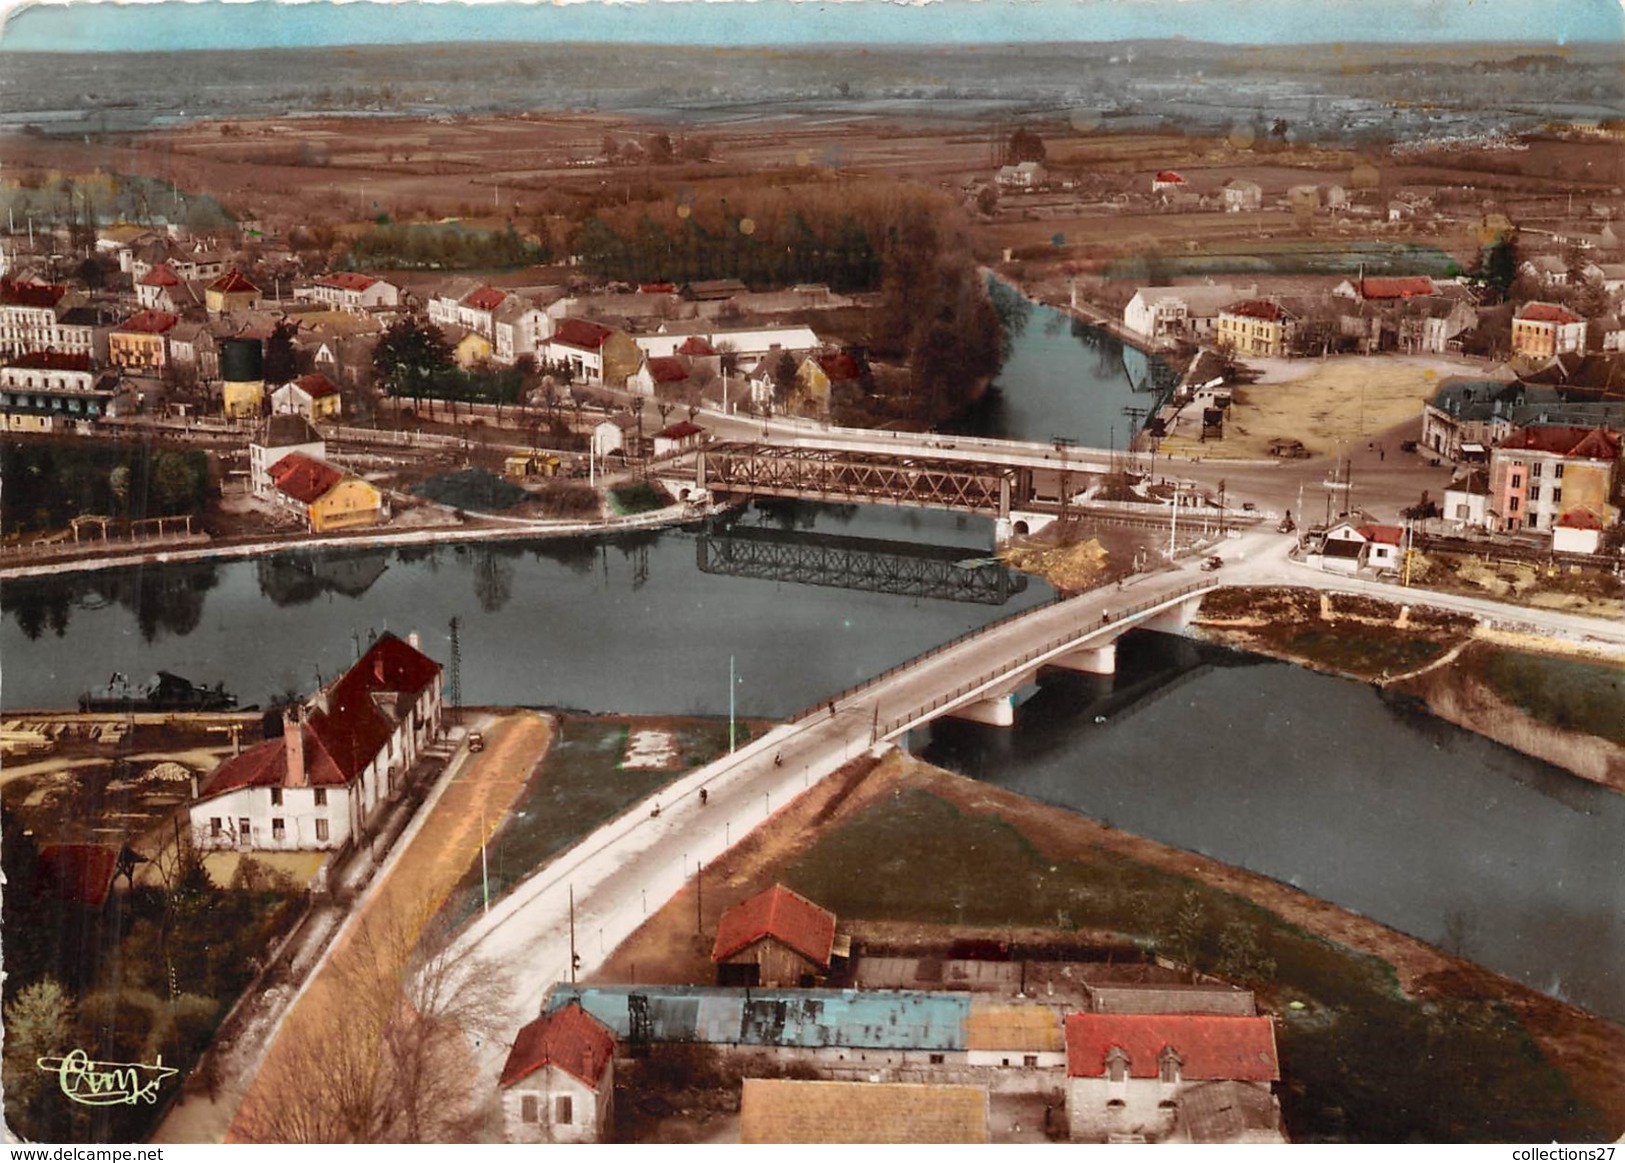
point(885, 847)
point(1445, 661)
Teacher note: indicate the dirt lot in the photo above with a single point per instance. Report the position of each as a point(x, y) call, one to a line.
point(1324, 403)
point(673, 947)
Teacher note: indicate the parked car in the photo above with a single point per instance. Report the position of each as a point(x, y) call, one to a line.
point(476, 741)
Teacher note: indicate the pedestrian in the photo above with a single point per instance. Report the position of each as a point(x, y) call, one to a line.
point(704, 795)
point(1382, 454)
point(832, 709)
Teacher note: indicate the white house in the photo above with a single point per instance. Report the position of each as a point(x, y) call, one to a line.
point(610, 435)
point(1467, 500)
point(558, 1085)
point(679, 437)
point(1023, 176)
point(1163, 313)
point(1577, 531)
point(1242, 195)
point(743, 341)
point(283, 434)
point(1188, 1078)
point(350, 291)
point(521, 328)
point(342, 753)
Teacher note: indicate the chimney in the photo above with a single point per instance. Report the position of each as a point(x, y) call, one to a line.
point(293, 742)
point(415, 641)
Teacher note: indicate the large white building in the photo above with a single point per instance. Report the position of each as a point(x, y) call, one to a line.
point(342, 754)
point(350, 291)
point(1162, 314)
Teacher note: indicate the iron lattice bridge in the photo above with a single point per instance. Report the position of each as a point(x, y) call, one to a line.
point(773, 470)
point(858, 563)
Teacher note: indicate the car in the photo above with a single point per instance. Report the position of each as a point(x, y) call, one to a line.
point(1248, 507)
point(1212, 563)
point(476, 741)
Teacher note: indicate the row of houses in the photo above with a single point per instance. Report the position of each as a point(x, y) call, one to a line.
point(1179, 1064)
point(1414, 314)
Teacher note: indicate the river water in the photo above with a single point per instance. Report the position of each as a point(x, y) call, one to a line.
point(1323, 784)
point(1064, 378)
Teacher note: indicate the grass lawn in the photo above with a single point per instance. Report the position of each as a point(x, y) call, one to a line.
point(582, 784)
point(1360, 1061)
point(1576, 696)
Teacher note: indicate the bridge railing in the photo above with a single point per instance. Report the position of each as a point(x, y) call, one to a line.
point(1076, 632)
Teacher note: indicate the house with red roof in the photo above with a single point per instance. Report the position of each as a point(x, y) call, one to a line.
point(1166, 180)
point(1542, 330)
point(315, 397)
point(31, 314)
point(775, 938)
point(558, 1084)
point(141, 342)
point(1172, 1078)
point(328, 498)
point(1385, 289)
point(232, 291)
point(154, 290)
point(1543, 471)
point(342, 753)
point(678, 438)
point(350, 291)
point(1579, 531)
point(1254, 327)
point(79, 874)
point(660, 377)
point(818, 378)
point(594, 353)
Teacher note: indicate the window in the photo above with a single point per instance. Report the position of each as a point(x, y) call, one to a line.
point(1533, 519)
point(1029, 1060)
point(1534, 471)
point(321, 797)
point(278, 830)
point(321, 829)
point(562, 1112)
point(528, 1110)
point(1461, 513)
point(1557, 495)
point(1512, 505)
point(276, 797)
point(214, 826)
point(1534, 493)
point(1168, 1064)
point(1116, 1064)
point(938, 1059)
point(1558, 472)
point(1517, 480)
point(243, 829)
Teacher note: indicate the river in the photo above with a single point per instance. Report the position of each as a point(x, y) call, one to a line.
point(1323, 784)
point(1064, 378)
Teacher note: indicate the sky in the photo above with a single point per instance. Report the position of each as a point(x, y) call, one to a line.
point(152, 25)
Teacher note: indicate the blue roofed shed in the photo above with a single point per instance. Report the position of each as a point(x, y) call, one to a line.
point(887, 1020)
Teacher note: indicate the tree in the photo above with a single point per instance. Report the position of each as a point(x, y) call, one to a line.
point(39, 1024)
point(281, 361)
point(409, 356)
point(1024, 146)
point(377, 1050)
point(1500, 269)
point(660, 149)
point(175, 485)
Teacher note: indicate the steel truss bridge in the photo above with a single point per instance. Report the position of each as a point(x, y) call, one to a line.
point(858, 563)
point(772, 470)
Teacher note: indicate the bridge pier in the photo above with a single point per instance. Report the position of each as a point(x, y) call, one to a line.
point(996, 711)
point(1089, 659)
point(1020, 524)
point(1174, 619)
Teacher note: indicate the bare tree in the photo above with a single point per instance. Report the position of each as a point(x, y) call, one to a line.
point(378, 1049)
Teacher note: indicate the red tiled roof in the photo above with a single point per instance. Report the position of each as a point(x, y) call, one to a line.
point(840, 367)
point(1210, 1047)
point(1383, 534)
point(347, 281)
point(316, 385)
point(30, 294)
point(679, 431)
point(656, 289)
point(55, 361)
point(1579, 519)
point(1257, 309)
point(696, 345)
point(342, 740)
point(666, 369)
point(1169, 176)
point(581, 333)
point(81, 873)
point(160, 276)
point(304, 478)
point(233, 282)
point(484, 299)
point(1565, 441)
point(787, 917)
point(1547, 313)
point(150, 322)
point(569, 1038)
point(1396, 288)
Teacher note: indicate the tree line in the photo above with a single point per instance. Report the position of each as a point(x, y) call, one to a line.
point(391, 245)
point(49, 483)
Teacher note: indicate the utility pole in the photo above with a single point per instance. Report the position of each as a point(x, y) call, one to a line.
point(456, 677)
point(730, 704)
point(485, 871)
point(574, 960)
